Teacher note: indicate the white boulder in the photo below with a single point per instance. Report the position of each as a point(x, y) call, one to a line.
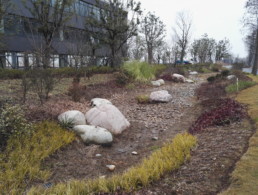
point(161, 81)
point(99, 101)
point(178, 78)
point(193, 73)
point(155, 83)
point(158, 83)
point(108, 117)
point(160, 96)
point(74, 116)
point(230, 77)
point(92, 134)
point(189, 81)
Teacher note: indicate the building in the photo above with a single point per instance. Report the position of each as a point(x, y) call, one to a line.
point(22, 41)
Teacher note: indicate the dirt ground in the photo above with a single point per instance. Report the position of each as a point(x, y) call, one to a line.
point(206, 173)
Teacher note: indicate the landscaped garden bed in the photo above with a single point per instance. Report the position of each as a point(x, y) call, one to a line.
point(152, 124)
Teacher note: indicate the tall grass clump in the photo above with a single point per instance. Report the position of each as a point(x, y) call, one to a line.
point(140, 71)
point(166, 159)
point(20, 163)
point(241, 85)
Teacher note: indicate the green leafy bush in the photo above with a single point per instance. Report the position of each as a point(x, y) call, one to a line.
point(13, 123)
point(241, 85)
point(139, 71)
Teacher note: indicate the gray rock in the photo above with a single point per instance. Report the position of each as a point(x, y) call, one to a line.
point(99, 101)
point(109, 117)
point(155, 83)
point(178, 78)
point(92, 134)
point(230, 77)
point(193, 73)
point(74, 116)
point(111, 167)
point(160, 96)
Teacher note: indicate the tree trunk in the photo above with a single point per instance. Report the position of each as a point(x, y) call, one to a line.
point(255, 66)
point(150, 56)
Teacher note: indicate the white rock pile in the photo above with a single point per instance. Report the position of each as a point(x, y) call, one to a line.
point(104, 118)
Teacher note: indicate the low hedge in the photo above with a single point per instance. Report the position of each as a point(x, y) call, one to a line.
point(166, 159)
point(62, 72)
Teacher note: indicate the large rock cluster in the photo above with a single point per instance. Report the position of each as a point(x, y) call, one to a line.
point(104, 119)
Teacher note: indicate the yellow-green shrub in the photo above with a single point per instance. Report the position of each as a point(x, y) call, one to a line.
point(21, 161)
point(143, 99)
point(168, 158)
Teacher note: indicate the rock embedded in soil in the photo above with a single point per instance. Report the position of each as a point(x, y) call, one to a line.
point(160, 96)
point(134, 153)
point(92, 134)
point(99, 101)
point(72, 116)
point(111, 167)
point(109, 117)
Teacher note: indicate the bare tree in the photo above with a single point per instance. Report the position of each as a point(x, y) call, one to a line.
point(251, 22)
point(115, 22)
point(50, 16)
point(182, 32)
point(154, 32)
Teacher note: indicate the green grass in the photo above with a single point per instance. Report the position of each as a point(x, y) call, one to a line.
point(241, 85)
point(244, 178)
point(20, 163)
point(166, 159)
point(140, 71)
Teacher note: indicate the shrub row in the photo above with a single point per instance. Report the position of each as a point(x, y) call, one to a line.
point(61, 72)
point(228, 111)
point(166, 159)
point(21, 161)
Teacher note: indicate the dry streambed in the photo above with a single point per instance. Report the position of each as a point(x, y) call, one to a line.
point(148, 121)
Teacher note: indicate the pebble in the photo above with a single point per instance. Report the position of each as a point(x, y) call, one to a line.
point(98, 155)
point(111, 167)
point(135, 153)
point(155, 138)
point(102, 177)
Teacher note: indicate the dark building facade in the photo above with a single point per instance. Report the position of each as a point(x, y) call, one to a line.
point(71, 46)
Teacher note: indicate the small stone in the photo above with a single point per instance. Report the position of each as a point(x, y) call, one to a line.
point(155, 138)
point(98, 155)
point(134, 153)
point(111, 167)
point(102, 177)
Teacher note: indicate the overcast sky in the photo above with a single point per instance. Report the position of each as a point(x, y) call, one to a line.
point(217, 18)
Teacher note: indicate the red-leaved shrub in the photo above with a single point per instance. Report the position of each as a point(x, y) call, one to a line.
point(228, 111)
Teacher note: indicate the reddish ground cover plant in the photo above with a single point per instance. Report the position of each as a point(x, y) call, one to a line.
point(227, 112)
